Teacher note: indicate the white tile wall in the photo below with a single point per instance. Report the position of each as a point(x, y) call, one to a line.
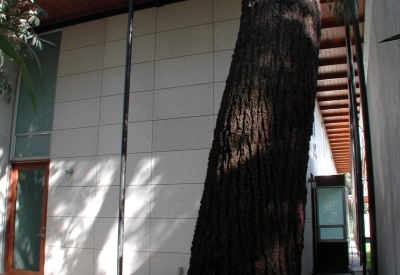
point(63, 261)
point(81, 60)
point(188, 166)
point(139, 137)
point(141, 106)
point(78, 86)
point(70, 232)
point(113, 81)
point(143, 48)
point(222, 63)
point(176, 201)
point(225, 34)
point(134, 263)
point(107, 199)
point(110, 139)
point(114, 53)
point(168, 263)
point(106, 233)
point(111, 109)
point(184, 14)
point(108, 170)
point(74, 142)
point(71, 202)
point(138, 171)
point(193, 100)
point(172, 235)
point(83, 35)
point(84, 171)
point(184, 71)
point(182, 42)
point(183, 134)
point(144, 23)
point(142, 77)
point(137, 203)
point(137, 234)
point(226, 9)
point(218, 92)
point(76, 114)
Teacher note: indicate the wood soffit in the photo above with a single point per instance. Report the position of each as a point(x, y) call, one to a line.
point(332, 93)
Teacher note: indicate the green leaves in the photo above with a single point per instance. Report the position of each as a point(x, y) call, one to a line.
point(394, 37)
point(18, 18)
point(10, 51)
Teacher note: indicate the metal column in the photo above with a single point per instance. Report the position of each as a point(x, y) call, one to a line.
point(367, 139)
point(124, 141)
point(355, 144)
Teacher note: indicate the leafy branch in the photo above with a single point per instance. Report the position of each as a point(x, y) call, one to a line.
point(17, 20)
point(394, 37)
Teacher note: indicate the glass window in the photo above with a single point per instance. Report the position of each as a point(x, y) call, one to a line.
point(29, 121)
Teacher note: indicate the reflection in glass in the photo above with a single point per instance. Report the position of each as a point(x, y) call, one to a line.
point(335, 233)
point(29, 120)
point(33, 145)
point(28, 219)
point(330, 206)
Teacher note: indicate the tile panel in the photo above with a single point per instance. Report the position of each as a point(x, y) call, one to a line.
point(76, 114)
point(79, 86)
point(184, 14)
point(74, 142)
point(182, 134)
point(81, 60)
point(179, 166)
point(182, 42)
point(193, 100)
point(83, 35)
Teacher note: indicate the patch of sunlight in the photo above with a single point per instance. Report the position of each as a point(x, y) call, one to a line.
point(137, 201)
point(171, 235)
point(70, 232)
point(141, 172)
point(106, 233)
point(55, 261)
point(84, 172)
point(137, 234)
point(133, 262)
point(1, 152)
point(108, 169)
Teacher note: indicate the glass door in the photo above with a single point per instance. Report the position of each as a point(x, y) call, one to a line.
point(331, 210)
point(26, 225)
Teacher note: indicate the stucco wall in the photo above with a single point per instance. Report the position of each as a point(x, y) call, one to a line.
point(320, 163)
point(384, 101)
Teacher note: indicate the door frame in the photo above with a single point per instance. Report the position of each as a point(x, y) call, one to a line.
point(11, 200)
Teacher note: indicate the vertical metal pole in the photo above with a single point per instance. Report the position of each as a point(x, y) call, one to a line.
point(124, 141)
point(367, 140)
point(354, 128)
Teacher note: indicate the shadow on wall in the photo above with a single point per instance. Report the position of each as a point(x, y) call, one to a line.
point(82, 222)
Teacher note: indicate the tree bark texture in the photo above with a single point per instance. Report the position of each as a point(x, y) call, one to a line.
point(251, 218)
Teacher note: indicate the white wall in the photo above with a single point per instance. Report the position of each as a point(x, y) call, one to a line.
point(320, 163)
point(181, 57)
point(383, 94)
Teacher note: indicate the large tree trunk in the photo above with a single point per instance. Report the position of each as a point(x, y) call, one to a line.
point(251, 218)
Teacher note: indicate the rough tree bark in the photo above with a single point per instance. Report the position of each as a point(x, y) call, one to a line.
point(251, 218)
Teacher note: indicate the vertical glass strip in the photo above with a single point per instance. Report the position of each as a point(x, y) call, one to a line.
point(28, 219)
point(29, 120)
